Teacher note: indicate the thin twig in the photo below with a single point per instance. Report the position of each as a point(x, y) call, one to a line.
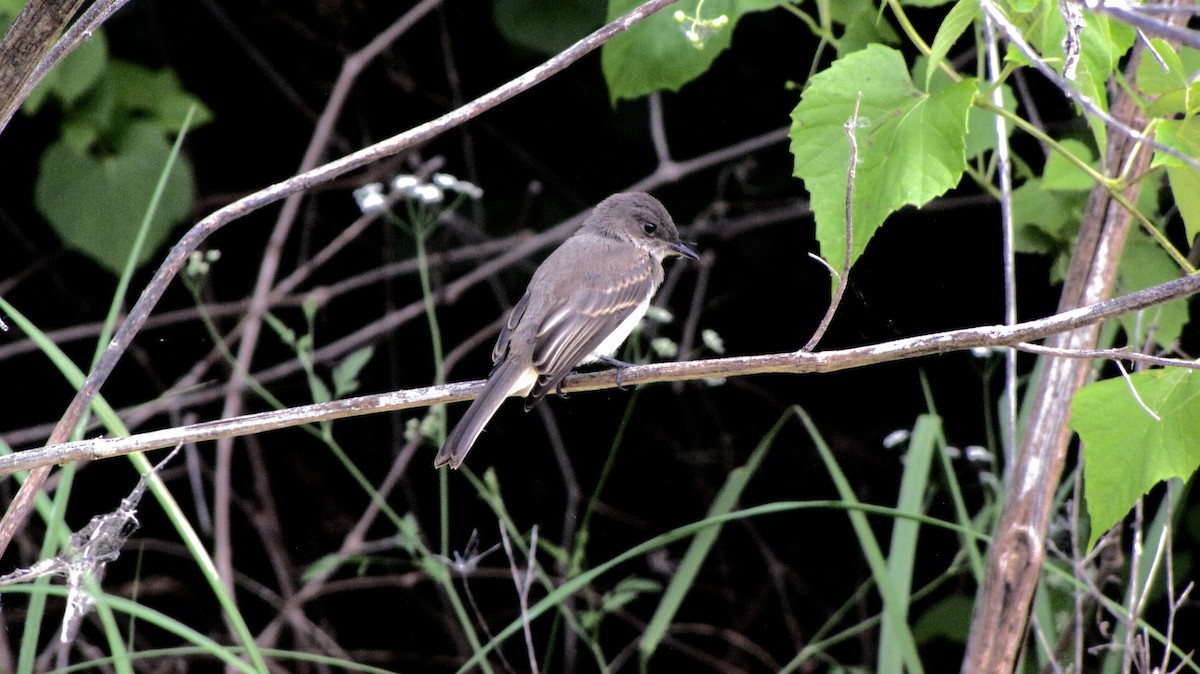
point(1130, 621)
point(1133, 390)
point(1110, 354)
point(1004, 171)
point(691, 323)
point(851, 129)
point(658, 130)
point(523, 582)
point(1132, 14)
point(1040, 633)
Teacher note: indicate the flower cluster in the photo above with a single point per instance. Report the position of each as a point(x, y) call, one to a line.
point(372, 197)
point(697, 30)
point(199, 262)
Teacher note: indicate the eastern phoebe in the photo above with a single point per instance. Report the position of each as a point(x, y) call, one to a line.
point(581, 304)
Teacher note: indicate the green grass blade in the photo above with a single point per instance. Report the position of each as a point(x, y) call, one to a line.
point(894, 611)
point(152, 617)
point(578, 583)
point(114, 309)
point(689, 567)
point(956, 495)
point(902, 552)
point(165, 499)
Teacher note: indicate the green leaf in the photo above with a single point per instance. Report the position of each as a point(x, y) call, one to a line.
point(925, 3)
point(318, 389)
point(1062, 174)
point(1023, 6)
point(1103, 43)
point(8, 11)
point(863, 26)
point(155, 92)
point(961, 16)
point(72, 78)
point(981, 124)
point(949, 618)
point(323, 567)
point(1045, 221)
point(547, 26)
point(1183, 135)
point(96, 203)
point(657, 55)
point(345, 373)
point(911, 144)
point(1126, 451)
point(1174, 92)
point(1144, 264)
point(1185, 188)
point(626, 591)
point(285, 333)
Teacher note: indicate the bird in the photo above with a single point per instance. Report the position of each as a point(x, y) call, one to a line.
point(579, 307)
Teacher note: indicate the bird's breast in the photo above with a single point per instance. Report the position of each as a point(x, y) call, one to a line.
point(617, 337)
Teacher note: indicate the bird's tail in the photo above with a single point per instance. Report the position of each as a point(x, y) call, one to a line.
point(507, 379)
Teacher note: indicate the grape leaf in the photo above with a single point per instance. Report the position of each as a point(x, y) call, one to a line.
point(1126, 451)
point(911, 143)
point(656, 54)
point(95, 204)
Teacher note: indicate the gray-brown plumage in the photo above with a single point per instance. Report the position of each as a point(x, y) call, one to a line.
point(581, 304)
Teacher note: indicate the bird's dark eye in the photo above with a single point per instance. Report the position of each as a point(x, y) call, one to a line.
point(649, 227)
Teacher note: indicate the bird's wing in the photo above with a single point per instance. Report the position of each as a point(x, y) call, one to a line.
point(506, 332)
point(578, 322)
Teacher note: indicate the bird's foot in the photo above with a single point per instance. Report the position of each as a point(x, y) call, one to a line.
point(619, 364)
point(558, 389)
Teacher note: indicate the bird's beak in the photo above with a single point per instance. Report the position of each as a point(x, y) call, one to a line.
point(684, 251)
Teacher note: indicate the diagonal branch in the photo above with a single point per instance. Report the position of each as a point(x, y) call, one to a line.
point(26, 45)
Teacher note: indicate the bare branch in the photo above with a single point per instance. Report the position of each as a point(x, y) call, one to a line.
point(29, 39)
point(779, 363)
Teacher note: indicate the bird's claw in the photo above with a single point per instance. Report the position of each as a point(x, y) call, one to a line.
point(620, 365)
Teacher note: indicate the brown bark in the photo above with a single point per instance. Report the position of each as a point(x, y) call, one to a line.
point(32, 35)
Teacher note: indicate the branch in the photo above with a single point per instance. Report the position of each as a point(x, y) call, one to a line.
point(1135, 15)
point(843, 279)
point(778, 363)
point(26, 45)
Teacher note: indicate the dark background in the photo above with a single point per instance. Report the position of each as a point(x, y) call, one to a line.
point(540, 158)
